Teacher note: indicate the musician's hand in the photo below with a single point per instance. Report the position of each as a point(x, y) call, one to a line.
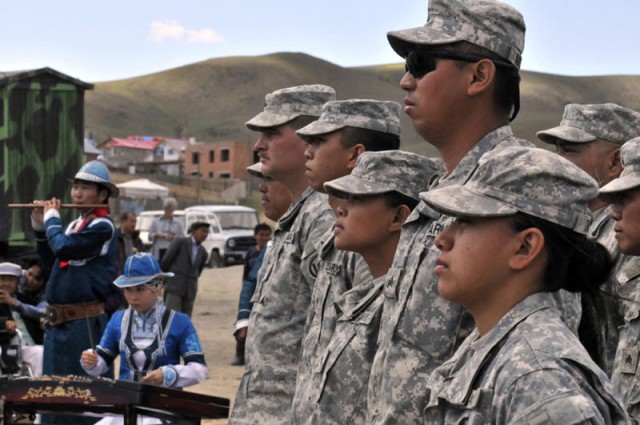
point(11, 326)
point(154, 377)
point(170, 236)
point(37, 215)
point(53, 204)
point(241, 335)
point(89, 359)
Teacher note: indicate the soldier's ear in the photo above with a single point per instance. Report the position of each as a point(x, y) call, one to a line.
point(482, 77)
point(615, 163)
point(530, 245)
point(402, 213)
point(355, 153)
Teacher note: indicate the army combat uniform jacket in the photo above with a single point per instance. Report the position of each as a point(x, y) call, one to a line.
point(626, 374)
point(338, 394)
point(420, 329)
point(338, 271)
point(529, 369)
point(276, 323)
point(601, 230)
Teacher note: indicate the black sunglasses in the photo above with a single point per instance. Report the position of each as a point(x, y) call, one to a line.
point(420, 62)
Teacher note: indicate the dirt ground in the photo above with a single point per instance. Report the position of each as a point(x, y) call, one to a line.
point(213, 316)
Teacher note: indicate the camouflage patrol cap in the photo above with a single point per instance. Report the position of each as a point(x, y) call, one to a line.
point(519, 179)
point(491, 24)
point(256, 170)
point(386, 171)
point(630, 176)
point(382, 116)
point(588, 123)
point(284, 105)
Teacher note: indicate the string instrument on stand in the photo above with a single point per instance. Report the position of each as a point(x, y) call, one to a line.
point(77, 395)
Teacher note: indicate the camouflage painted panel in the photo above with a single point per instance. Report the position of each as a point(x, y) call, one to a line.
point(41, 135)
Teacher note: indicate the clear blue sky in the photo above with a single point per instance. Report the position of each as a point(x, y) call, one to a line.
point(109, 40)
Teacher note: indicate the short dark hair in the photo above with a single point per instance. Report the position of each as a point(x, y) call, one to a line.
point(395, 199)
point(301, 121)
point(125, 215)
point(372, 140)
point(44, 269)
point(261, 227)
point(198, 225)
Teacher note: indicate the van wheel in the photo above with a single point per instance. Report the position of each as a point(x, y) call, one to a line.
point(215, 261)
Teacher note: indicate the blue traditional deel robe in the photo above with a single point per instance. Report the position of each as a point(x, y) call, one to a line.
point(179, 339)
point(90, 254)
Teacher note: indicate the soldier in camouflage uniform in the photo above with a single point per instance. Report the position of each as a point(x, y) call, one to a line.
point(275, 202)
point(624, 194)
point(522, 364)
point(345, 129)
point(590, 136)
point(282, 294)
point(369, 221)
point(462, 87)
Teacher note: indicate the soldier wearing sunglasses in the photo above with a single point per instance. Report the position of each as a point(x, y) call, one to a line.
point(462, 90)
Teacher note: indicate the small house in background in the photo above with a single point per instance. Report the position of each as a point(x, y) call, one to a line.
point(226, 159)
point(145, 154)
point(41, 144)
point(91, 153)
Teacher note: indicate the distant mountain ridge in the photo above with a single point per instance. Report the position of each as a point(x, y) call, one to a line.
point(211, 100)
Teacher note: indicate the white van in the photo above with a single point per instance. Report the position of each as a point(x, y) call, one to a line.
point(237, 223)
point(214, 244)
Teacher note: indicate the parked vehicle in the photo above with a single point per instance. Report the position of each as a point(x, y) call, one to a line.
point(237, 224)
point(214, 244)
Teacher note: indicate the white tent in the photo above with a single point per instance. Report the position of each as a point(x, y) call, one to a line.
point(142, 189)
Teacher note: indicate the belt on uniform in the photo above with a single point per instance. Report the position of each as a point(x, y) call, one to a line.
point(60, 313)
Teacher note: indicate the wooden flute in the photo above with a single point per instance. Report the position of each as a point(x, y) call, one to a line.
point(61, 206)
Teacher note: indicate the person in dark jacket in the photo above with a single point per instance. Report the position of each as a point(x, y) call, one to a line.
point(185, 257)
point(128, 243)
point(262, 234)
point(30, 302)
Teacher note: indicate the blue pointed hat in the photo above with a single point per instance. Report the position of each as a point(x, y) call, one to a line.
point(97, 172)
point(140, 269)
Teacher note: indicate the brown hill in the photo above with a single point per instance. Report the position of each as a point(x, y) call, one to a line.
point(211, 100)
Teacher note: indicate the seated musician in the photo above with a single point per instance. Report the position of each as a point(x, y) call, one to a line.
point(149, 337)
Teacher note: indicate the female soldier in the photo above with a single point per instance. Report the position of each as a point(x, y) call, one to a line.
point(519, 235)
point(371, 205)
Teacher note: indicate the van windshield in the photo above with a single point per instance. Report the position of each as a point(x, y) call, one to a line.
point(237, 220)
